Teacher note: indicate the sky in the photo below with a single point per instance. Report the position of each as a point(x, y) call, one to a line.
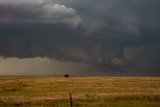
point(80, 37)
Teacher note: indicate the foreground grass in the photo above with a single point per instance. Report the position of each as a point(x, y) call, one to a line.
point(86, 91)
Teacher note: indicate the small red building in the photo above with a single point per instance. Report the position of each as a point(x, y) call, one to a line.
point(66, 75)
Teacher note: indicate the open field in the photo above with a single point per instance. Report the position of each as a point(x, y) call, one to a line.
point(86, 91)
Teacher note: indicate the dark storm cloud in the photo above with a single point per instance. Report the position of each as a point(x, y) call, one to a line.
point(50, 41)
point(77, 30)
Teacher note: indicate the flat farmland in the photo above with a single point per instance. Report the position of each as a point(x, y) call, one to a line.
point(48, 91)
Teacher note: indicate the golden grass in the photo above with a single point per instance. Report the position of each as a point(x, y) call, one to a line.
point(86, 91)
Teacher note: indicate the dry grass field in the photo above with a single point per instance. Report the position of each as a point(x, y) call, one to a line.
point(86, 91)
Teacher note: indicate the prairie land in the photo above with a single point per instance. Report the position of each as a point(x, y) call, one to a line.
point(48, 91)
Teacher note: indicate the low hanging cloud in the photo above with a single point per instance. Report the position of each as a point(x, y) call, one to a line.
point(61, 43)
point(102, 34)
point(37, 11)
point(146, 58)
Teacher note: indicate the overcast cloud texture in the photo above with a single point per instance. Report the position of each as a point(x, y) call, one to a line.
point(93, 37)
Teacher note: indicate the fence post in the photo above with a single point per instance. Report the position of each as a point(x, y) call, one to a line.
point(71, 105)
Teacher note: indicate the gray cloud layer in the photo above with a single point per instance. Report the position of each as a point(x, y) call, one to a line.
point(103, 34)
point(37, 11)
